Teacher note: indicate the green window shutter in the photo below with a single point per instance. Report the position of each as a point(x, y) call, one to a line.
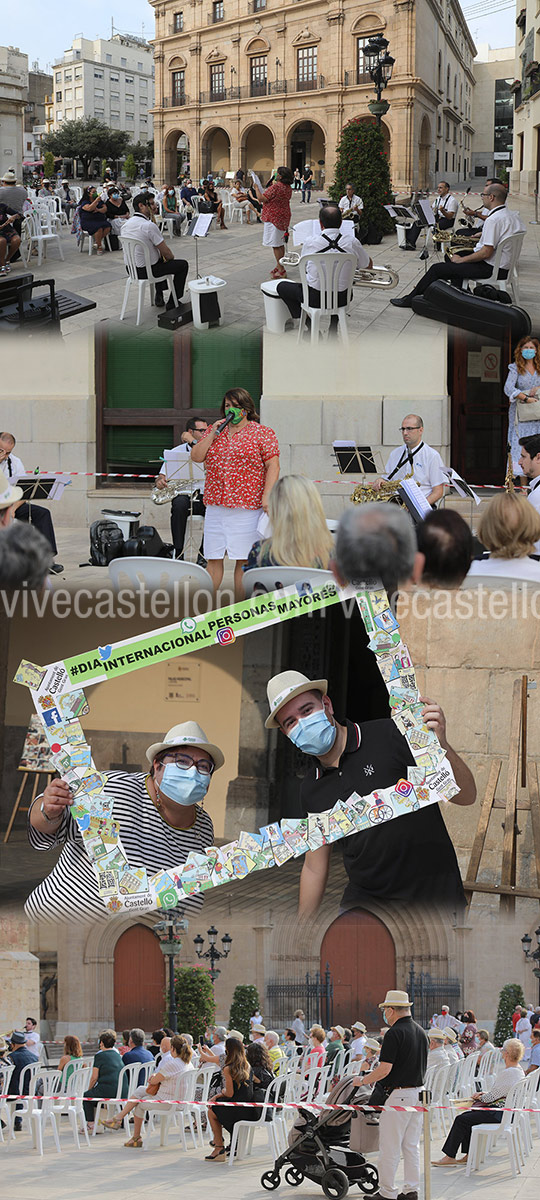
point(220, 360)
point(140, 371)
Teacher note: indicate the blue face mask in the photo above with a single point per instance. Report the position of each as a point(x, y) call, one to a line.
point(314, 734)
point(528, 352)
point(184, 787)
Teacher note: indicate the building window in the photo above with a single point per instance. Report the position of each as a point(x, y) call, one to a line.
point(99, 93)
point(362, 75)
point(108, 58)
point(178, 87)
point(218, 12)
point(98, 74)
point(68, 96)
point(114, 78)
point(140, 66)
point(115, 95)
point(58, 97)
point(448, 82)
point(100, 112)
point(130, 79)
point(258, 68)
point(130, 97)
point(67, 76)
point(58, 77)
point(178, 22)
point(123, 62)
point(59, 116)
point(306, 68)
point(217, 82)
point(258, 4)
point(78, 72)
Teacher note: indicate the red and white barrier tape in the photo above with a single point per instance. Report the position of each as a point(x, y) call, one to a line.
point(278, 1104)
point(345, 482)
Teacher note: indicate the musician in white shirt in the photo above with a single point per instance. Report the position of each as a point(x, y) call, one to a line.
point(416, 456)
point(445, 206)
point(501, 223)
point(39, 517)
point(334, 238)
point(353, 206)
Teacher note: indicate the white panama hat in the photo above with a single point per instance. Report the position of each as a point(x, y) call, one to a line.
point(396, 1000)
point(186, 734)
point(284, 687)
point(9, 493)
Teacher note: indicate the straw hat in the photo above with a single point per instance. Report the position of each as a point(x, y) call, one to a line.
point(186, 734)
point(396, 1000)
point(436, 1035)
point(371, 1044)
point(9, 494)
point(360, 1026)
point(258, 1029)
point(235, 1033)
point(338, 1029)
point(450, 1034)
point(284, 687)
point(9, 176)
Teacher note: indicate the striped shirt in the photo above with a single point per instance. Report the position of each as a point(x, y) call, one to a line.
point(71, 888)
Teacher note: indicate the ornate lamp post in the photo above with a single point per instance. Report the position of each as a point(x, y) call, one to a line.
point(168, 932)
point(212, 954)
point(533, 955)
point(379, 65)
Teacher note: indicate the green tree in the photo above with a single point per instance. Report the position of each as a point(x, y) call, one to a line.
point(130, 166)
point(362, 161)
point(142, 151)
point(245, 1002)
point(48, 164)
point(194, 999)
point(511, 994)
point(87, 140)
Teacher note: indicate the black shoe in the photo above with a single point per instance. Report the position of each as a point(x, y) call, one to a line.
point(159, 300)
point(17, 1125)
point(56, 568)
point(408, 1196)
point(201, 562)
point(402, 302)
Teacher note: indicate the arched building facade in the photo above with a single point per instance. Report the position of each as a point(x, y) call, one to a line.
point(270, 82)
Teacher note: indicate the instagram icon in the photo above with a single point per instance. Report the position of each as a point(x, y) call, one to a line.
point(225, 637)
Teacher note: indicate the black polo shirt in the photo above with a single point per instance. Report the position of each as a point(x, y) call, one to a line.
point(409, 859)
point(406, 1046)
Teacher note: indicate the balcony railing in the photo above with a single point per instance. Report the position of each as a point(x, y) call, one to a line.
point(356, 77)
point(214, 17)
point(173, 101)
point(175, 27)
point(278, 87)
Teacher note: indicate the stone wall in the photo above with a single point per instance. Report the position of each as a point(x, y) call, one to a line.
point(19, 971)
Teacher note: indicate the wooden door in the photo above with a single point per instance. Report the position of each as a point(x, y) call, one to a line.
point(139, 980)
point(478, 366)
point(362, 959)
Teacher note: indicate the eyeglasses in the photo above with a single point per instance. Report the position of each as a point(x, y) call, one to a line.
point(185, 761)
point(409, 428)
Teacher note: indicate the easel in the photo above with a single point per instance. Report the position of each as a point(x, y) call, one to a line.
point(17, 806)
point(520, 774)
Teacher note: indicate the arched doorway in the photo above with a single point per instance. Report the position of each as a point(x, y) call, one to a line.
point(258, 150)
point(215, 152)
point(139, 980)
point(424, 147)
point(362, 958)
point(176, 155)
point(307, 143)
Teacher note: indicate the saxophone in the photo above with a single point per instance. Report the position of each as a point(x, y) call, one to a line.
point(388, 491)
point(167, 494)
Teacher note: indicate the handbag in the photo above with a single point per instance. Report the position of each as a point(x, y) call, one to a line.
point(527, 412)
point(153, 1086)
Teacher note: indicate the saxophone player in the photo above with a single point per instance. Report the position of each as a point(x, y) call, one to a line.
point(189, 499)
point(351, 207)
point(445, 206)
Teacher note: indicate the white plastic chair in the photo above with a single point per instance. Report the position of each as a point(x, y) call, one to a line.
point(511, 283)
point(131, 1073)
point(129, 245)
point(244, 1131)
point(69, 1103)
point(91, 243)
point(34, 234)
point(484, 1138)
point(269, 579)
point(6, 1113)
point(235, 210)
point(153, 573)
point(167, 220)
point(179, 1115)
point(48, 212)
point(436, 1082)
point(329, 268)
point(27, 1088)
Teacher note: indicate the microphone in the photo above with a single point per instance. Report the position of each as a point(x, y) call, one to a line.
point(226, 422)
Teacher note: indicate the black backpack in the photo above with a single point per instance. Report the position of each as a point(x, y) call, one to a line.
point(148, 543)
point(106, 543)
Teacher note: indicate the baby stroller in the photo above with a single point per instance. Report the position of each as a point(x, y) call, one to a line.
point(319, 1150)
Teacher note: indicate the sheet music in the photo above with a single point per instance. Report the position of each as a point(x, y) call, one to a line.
point(460, 486)
point(59, 482)
point(416, 501)
point(179, 467)
point(202, 225)
point(256, 181)
point(427, 211)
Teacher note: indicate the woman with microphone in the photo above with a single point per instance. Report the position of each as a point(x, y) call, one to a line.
point(242, 465)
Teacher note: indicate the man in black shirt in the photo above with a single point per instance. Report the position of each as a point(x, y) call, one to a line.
point(410, 860)
point(401, 1071)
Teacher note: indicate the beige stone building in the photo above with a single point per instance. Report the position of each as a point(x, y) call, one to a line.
point(257, 83)
point(525, 174)
point(13, 100)
point(493, 111)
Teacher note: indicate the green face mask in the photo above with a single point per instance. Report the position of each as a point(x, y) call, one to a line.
point(238, 413)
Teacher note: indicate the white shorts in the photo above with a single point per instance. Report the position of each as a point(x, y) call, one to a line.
point(272, 236)
point(230, 530)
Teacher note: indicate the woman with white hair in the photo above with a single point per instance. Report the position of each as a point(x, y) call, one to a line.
point(483, 1111)
point(300, 536)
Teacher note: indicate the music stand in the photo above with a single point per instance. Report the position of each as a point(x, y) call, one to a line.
point(199, 227)
point(414, 498)
point(426, 218)
point(354, 460)
point(36, 487)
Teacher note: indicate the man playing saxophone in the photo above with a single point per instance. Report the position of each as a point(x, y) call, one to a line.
point(189, 498)
point(351, 207)
point(417, 460)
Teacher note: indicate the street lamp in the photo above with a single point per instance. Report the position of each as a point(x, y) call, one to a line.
point(213, 954)
point(168, 932)
point(379, 65)
point(533, 955)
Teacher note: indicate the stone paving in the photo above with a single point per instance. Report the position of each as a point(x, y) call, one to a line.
point(237, 255)
point(108, 1170)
